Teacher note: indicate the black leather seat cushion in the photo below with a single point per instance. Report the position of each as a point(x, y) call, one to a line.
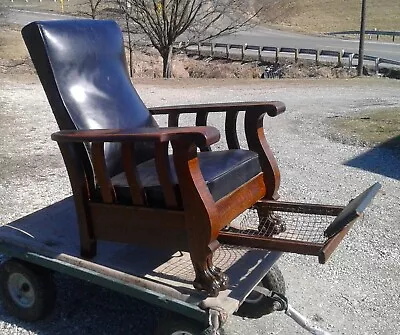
point(223, 171)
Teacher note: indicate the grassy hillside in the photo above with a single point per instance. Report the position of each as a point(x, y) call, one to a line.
point(303, 15)
point(331, 15)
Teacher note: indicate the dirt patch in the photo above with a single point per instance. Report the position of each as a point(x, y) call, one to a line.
point(14, 58)
point(380, 127)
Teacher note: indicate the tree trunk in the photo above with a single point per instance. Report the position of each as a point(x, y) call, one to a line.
point(130, 47)
point(93, 14)
point(130, 60)
point(167, 62)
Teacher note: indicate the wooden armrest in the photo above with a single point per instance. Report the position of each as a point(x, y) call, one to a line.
point(183, 138)
point(272, 108)
point(199, 135)
point(254, 115)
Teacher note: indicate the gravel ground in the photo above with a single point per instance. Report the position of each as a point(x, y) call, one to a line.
point(356, 292)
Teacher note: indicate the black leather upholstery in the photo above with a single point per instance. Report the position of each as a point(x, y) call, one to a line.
point(223, 171)
point(82, 67)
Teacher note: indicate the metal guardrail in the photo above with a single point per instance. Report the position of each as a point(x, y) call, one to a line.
point(224, 49)
point(368, 32)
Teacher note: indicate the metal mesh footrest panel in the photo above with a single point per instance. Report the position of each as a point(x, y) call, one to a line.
point(310, 229)
point(288, 227)
point(283, 225)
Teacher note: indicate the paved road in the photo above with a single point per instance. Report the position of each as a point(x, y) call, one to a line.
point(23, 17)
point(258, 36)
point(270, 37)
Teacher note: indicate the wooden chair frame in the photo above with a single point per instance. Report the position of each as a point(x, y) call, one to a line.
point(195, 226)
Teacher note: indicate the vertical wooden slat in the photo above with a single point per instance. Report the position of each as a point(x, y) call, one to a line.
point(201, 120)
point(132, 176)
point(231, 130)
point(164, 174)
point(173, 119)
point(101, 173)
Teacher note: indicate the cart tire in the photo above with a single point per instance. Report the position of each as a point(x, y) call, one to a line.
point(256, 305)
point(27, 291)
point(178, 325)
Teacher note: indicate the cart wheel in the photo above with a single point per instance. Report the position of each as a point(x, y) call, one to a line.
point(27, 291)
point(256, 305)
point(178, 325)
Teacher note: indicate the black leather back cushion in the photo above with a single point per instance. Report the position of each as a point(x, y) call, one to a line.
point(82, 66)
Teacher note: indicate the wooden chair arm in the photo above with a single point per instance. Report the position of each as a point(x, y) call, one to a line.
point(198, 135)
point(254, 130)
point(188, 138)
point(272, 108)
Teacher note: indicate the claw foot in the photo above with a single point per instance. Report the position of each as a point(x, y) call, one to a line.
point(222, 278)
point(207, 282)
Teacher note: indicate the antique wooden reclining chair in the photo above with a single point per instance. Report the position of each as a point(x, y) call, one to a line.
point(126, 186)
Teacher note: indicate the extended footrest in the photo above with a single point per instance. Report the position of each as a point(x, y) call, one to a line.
point(310, 229)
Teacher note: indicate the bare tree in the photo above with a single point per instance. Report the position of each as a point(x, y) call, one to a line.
point(163, 21)
point(128, 30)
point(94, 5)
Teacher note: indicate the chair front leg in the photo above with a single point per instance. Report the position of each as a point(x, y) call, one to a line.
point(222, 278)
point(81, 180)
point(208, 278)
point(269, 222)
point(200, 214)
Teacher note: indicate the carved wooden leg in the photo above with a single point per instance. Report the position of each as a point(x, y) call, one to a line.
point(208, 277)
point(222, 278)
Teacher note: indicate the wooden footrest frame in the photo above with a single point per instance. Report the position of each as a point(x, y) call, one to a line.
point(310, 229)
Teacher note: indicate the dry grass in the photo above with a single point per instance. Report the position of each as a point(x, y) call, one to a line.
point(331, 15)
point(302, 15)
point(11, 45)
point(378, 127)
point(14, 58)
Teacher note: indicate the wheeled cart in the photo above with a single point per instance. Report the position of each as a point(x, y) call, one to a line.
point(48, 241)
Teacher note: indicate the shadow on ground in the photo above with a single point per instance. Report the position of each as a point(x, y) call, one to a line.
point(383, 159)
